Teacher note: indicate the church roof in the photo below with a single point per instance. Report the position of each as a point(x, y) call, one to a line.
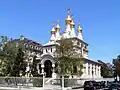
point(28, 44)
point(27, 41)
point(50, 43)
point(91, 61)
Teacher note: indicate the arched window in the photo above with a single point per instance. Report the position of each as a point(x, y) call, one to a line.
point(36, 47)
point(31, 46)
point(85, 47)
point(46, 50)
point(51, 49)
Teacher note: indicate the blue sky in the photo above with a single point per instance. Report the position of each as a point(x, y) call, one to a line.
point(100, 20)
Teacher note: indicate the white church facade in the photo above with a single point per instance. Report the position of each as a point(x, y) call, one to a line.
point(91, 69)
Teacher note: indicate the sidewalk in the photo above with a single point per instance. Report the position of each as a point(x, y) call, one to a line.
point(33, 88)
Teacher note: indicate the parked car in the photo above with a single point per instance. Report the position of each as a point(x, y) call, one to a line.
point(103, 84)
point(89, 85)
point(114, 86)
point(98, 85)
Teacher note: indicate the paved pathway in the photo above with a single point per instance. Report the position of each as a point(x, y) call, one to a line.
point(32, 88)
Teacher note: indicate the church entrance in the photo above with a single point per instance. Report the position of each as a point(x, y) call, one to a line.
point(48, 68)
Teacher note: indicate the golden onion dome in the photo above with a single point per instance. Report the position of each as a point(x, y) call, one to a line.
point(79, 28)
point(72, 24)
point(53, 29)
point(57, 26)
point(68, 19)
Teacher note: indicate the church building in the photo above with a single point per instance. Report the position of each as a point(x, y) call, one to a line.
point(91, 69)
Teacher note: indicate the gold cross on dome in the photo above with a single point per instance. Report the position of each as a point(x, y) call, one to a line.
point(68, 11)
point(53, 25)
point(79, 23)
point(58, 21)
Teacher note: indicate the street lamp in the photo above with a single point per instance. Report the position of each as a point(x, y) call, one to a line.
point(43, 73)
point(20, 73)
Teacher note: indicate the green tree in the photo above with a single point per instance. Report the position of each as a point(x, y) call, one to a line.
point(4, 65)
point(69, 62)
point(106, 71)
point(116, 63)
point(3, 39)
point(34, 70)
point(12, 58)
point(19, 65)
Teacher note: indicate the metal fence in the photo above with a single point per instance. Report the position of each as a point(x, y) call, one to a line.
point(37, 82)
point(30, 83)
point(18, 82)
point(68, 82)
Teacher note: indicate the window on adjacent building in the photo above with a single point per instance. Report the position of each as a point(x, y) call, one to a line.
point(31, 46)
point(82, 44)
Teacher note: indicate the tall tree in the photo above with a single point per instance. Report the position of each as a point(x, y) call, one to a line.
point(19, 65)
point(4, 65)
point(34, 70)
point(12, 58)
point(3, 40)
point(69, 62)
point(116, 63)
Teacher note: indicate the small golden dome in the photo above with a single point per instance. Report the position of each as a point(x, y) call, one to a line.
point(68, 19)
point(58, 26)
point(53, 29)
point(52, 32)
point(72, 24)
point(79, 28)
